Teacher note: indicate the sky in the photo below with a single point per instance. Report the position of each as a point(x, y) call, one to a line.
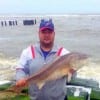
point(49, 6)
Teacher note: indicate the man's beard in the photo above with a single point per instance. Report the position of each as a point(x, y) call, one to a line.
point(47, 45)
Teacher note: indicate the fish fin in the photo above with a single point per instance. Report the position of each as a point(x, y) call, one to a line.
point(69, 77)
point(70, 73)
point(40, 85)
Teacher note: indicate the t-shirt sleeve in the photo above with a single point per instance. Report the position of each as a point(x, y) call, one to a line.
point(21, 70)
point(23, 60)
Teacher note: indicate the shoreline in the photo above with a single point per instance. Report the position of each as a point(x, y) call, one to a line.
point(4, 82)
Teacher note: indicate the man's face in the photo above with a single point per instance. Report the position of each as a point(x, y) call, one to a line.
point(46, 36)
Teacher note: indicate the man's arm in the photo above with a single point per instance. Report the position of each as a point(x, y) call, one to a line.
point(21, 72)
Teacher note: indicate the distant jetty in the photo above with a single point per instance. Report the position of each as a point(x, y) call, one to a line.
point(14, 21)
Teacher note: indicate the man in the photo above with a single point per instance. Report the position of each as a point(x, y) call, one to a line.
point(35, 57)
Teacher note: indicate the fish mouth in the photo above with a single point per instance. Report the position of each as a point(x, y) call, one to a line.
point(78, 60)
point(79, 56)
point(79, 64)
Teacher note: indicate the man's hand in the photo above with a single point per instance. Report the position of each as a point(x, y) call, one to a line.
point(21, 82)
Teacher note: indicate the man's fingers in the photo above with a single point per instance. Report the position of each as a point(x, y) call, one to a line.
point(21, 82)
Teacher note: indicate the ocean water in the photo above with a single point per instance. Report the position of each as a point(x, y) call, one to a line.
point(79, 33)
